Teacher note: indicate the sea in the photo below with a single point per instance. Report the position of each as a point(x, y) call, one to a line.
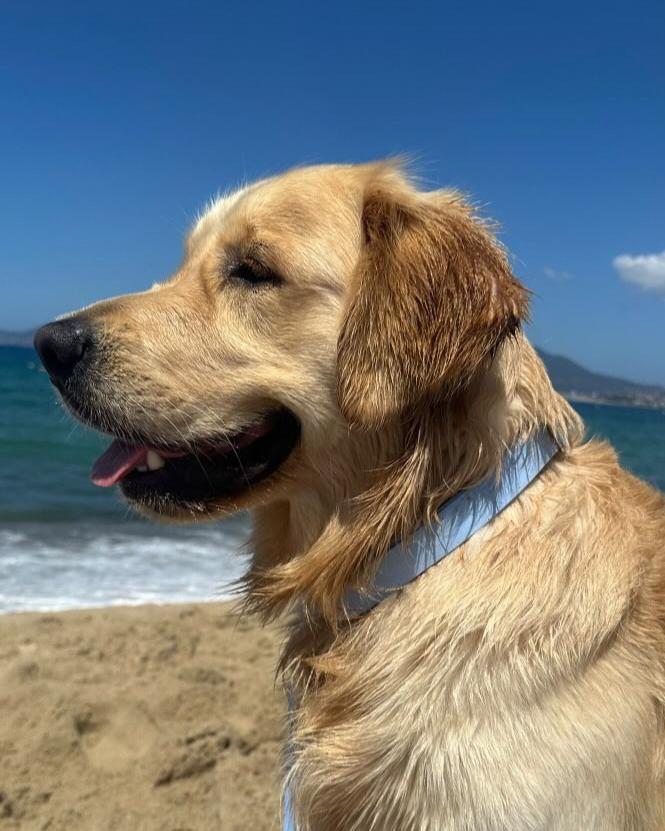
point(67, 544)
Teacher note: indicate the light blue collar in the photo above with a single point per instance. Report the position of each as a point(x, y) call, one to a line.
point(458, 520)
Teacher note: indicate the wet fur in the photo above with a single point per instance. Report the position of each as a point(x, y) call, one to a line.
point(517, 685)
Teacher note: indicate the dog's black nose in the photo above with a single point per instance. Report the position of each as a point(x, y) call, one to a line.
point(61, 345)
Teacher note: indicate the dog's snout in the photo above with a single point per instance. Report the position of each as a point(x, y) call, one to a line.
point(62, 345)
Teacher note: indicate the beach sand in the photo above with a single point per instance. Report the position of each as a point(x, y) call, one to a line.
point(151, 718)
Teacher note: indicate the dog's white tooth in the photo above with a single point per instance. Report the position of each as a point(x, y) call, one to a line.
point(154, 460)
point(142, 468)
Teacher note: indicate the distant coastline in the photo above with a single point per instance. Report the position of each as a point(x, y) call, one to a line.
point(22, 340)
point(581, 385)
point(577, 398)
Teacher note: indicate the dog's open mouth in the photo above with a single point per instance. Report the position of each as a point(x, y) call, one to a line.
point(212, 470)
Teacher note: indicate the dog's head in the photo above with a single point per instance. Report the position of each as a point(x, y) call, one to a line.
point(323, 300)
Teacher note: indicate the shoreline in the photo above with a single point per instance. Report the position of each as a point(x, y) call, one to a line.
point(158, 717)
point(219, 600)
point(91, 560)
point(605, 402)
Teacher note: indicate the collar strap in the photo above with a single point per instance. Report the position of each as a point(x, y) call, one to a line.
point(458, 520)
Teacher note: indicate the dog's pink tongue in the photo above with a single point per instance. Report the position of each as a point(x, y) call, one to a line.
point(119, 460)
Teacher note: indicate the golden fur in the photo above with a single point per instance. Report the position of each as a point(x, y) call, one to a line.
point(519, 684)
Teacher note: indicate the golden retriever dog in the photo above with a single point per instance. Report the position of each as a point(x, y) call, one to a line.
point(341, 352)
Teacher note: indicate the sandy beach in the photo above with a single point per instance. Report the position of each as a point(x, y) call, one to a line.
point(151, 718)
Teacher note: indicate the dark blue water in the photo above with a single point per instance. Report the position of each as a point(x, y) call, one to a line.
point(638, 435)
point(65, 543)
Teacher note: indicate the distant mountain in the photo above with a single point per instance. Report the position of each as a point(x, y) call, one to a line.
point(16, 338)
point(578, 383)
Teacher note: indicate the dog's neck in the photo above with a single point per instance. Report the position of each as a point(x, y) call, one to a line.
point(372, 488)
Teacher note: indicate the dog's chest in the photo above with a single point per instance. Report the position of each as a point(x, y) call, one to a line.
point(433, 764)
point(431, 730)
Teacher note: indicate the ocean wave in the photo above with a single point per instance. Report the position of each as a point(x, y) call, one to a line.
point(53, 567)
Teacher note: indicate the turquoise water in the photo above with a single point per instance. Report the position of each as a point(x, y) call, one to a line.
point(66, 543)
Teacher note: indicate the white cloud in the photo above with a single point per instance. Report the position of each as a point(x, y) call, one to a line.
point(553, 274)
point(647, 270)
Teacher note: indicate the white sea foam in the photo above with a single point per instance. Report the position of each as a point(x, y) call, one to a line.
point(52, 566)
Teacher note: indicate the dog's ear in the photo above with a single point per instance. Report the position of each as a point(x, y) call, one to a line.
point(431, 298)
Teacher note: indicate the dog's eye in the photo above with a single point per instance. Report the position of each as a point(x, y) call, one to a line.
point(254, 273)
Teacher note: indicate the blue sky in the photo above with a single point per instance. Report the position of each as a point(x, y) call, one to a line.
point(118, 121)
